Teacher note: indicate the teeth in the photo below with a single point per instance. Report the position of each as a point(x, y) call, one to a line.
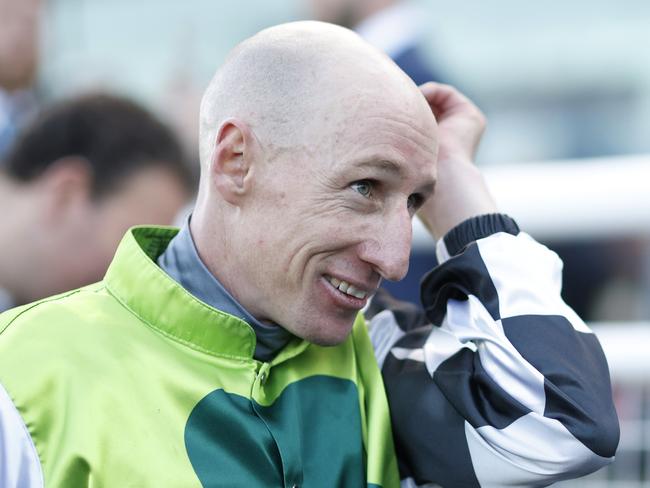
point(356, 293)
point(346, 288)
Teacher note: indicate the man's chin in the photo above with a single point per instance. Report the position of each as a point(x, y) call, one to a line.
point(328, 342)
point(330, 335)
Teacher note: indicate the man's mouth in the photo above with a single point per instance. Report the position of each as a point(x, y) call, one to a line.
point(347, 288)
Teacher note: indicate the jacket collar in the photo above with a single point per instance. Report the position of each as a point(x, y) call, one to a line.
point(138, 283)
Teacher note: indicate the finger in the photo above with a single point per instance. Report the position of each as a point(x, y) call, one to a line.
point(445, 99)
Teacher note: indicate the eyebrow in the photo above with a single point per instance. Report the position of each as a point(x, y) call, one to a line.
point(383, 165)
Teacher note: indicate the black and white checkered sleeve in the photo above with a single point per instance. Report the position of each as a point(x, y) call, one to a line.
point(510, 387)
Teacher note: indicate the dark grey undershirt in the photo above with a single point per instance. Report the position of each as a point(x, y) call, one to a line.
point(181, 261)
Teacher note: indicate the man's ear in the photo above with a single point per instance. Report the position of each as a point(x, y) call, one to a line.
point(231, 168)
point(65, 186)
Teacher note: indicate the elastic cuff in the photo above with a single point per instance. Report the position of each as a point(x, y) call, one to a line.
point(471, 230)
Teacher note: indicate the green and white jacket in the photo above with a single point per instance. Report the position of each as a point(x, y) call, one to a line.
point(135, 382)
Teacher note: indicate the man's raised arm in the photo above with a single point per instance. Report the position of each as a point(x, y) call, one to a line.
point(509, 387)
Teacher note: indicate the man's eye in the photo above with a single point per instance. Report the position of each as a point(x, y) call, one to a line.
point(363, 187)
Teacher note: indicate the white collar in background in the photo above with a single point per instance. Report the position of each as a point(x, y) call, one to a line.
point(6, 302)
point(393, 29)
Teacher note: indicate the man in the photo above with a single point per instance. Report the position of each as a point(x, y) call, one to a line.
point(79, 176)
point(234, 353)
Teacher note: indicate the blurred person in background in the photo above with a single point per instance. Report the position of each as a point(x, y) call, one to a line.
point(19, 23)
point(393, 26)
point(81, 174)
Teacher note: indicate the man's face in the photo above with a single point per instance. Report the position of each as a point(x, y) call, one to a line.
point(328, 221)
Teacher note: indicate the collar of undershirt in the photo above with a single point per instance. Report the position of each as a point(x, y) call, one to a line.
point(182, 262)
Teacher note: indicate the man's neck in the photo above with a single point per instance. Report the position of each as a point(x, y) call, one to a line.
point(210, 244)
point(182, 262)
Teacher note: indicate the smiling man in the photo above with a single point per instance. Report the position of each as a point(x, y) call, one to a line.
point(253, 348)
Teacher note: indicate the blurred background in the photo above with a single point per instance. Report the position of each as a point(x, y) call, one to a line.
point(565, 87)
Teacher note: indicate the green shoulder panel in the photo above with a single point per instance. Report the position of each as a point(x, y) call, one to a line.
point(102, 409)
point(378, 437)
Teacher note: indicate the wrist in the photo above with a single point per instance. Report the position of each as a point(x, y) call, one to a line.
point(461, 193)
point(471, 230)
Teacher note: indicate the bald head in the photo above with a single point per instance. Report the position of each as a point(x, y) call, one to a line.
point(287, 81)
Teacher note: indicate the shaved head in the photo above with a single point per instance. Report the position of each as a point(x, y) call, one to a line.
point(287, 80)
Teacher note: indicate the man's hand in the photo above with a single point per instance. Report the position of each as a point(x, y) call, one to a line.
point(461, 191)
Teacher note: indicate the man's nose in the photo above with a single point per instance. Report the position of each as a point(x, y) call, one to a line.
point(389, 247)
